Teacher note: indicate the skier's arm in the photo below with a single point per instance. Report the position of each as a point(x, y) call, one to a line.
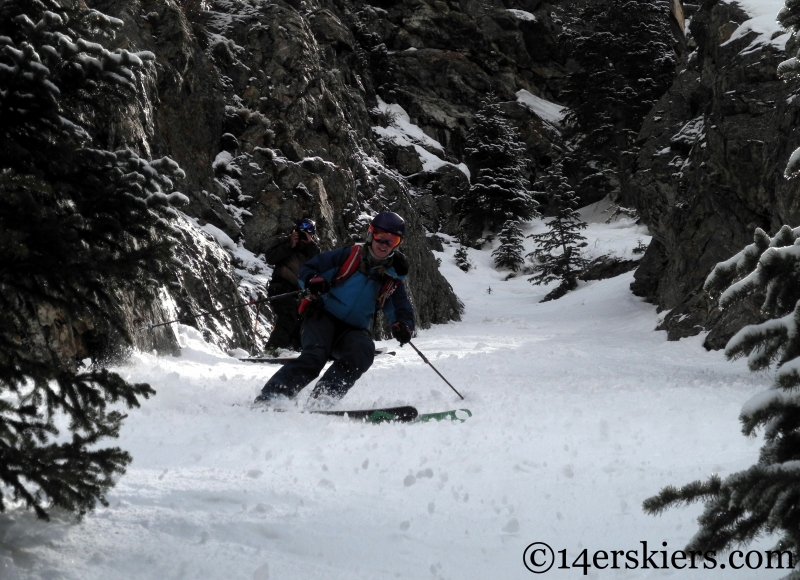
point(325, 265)
point(398, 308)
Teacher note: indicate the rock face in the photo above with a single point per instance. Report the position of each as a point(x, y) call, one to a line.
point(711, 169)
point(271, 109)
point(337, 109)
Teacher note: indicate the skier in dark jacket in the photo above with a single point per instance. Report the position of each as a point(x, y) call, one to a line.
point(347, 286)
point(288, 255)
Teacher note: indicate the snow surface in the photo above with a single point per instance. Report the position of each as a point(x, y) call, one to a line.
point(581, 411)
point(221, 237)
point(546, 110)
point(764, 22)
point(404, 133)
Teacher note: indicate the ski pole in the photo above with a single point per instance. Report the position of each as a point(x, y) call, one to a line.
point(151, 326)
point(434, 368)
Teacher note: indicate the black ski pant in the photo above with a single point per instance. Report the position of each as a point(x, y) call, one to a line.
point(324, 336)
point(286, 332)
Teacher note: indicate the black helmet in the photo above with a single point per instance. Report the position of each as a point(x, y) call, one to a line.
point(388, 221)
point(306, 225)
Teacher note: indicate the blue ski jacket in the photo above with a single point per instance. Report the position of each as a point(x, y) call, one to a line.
point(354, 300)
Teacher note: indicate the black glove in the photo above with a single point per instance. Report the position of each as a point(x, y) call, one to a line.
point(401, 332)
point(318, 285)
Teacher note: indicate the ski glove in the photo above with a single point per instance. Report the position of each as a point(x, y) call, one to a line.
point(318, 285)
point(401, 332)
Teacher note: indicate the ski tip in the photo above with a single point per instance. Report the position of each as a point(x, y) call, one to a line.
point(459, 415)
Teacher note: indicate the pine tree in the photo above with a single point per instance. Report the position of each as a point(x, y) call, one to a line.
point(509, 253)
point(625, 62)
point(496, 159)
point(789, 19)
point(79, 226)
point(764, 498)
point(557, 256)
point(462, 259)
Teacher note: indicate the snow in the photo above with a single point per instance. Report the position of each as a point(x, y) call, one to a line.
point(221, 237)
point(546, 110)
point(522, 15)
point(221, 161)
point(793, 165)
point(404, 133)
point(763, 21)
point(763, 400)
point(690, 132)
point(580, 412)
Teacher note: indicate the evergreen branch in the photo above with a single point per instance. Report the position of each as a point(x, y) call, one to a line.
point(671, 496)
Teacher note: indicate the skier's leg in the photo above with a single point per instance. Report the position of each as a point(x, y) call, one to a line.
point(317, 340)
point(354, 352)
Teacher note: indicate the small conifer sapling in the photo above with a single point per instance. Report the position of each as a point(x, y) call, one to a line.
point(557, 256)
point(509, 253)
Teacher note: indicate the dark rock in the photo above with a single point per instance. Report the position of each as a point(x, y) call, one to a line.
point(435, 243)
point(607, 267)
point(648, 275)
point(404, 159)
point(229, 143)
point(710, 169)
point(313, 164)
point(289, 90)
point(725, 323)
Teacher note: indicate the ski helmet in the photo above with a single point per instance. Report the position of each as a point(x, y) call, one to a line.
point(306, 225)
point(388, 221)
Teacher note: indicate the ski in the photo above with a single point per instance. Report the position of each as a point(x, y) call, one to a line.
point(279, 360)
point(404, 414)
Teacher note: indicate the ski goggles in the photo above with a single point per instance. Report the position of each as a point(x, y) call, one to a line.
point(385, 238)
point(306, 226)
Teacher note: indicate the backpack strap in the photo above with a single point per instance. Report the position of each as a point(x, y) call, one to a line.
point(389, 286)
point(350, 265)
point(354, 263)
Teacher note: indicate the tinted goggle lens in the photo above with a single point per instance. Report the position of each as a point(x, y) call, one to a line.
point(306, 227)
point(386, 238)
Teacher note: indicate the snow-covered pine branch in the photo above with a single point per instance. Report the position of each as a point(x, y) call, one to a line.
point(91, 229)
point(764, 343)
point(763, 498)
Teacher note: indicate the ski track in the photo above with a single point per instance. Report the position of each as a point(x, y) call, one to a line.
point(581, 411)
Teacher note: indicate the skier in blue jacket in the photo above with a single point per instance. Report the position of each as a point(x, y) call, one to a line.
point(347, 287)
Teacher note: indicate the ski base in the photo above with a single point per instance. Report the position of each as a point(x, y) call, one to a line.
point(279, 360)
point(402, 414)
